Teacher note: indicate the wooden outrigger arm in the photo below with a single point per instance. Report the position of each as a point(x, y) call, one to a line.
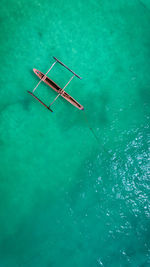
point(67, 67)
point(40, 101)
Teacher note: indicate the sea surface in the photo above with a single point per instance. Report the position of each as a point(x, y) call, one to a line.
point(75, 185)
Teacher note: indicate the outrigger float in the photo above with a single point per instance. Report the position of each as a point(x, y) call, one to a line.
point(44, 78)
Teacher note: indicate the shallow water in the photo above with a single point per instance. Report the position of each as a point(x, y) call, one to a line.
point(66, 199)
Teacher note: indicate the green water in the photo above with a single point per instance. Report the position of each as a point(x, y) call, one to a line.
point(66, 199)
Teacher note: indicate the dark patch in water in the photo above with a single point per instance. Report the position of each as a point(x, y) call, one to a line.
point(145, 94)
point(40, 34)
point(25, 101)
point(96, 107)
point(3, 107)
point(143, 5)
point(1, 142)
point(96, 112)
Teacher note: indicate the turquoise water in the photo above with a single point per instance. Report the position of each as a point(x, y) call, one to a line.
point(66, 199)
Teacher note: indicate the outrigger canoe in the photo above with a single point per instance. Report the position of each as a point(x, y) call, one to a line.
point(43, 77)
point(57, 89)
